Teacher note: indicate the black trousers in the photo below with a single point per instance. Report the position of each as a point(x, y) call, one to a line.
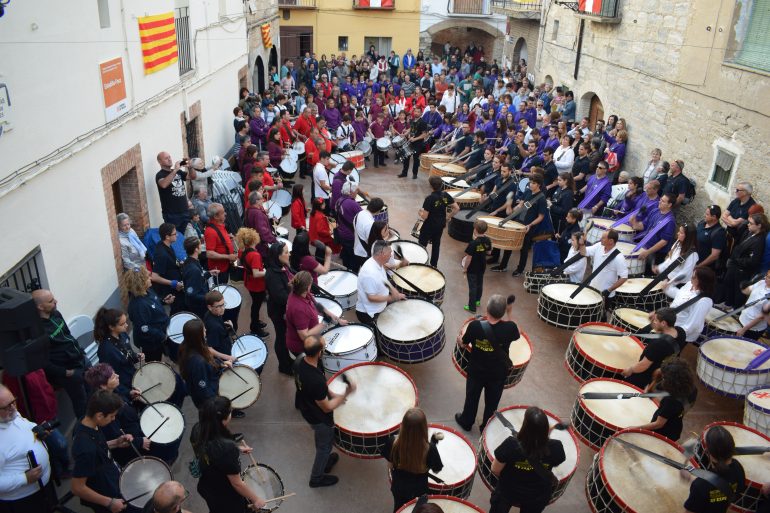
point(475, 289)
point(415, 159)
point(434, 237)
point(474, 385)
point(501, 504)
point(365, 318)
point(42, 501)
point(285, 361)
point(379, 156)
point(257, 298)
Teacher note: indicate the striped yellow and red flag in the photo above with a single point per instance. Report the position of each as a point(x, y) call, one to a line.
point(267, 40)
point(158, 36)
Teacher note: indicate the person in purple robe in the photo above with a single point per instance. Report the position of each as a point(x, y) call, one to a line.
point(597, 191)
point(332, 116)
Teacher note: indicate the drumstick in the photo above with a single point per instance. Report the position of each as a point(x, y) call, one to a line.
point(157, 428)
point(292, 494)
point(237, 396)
point(132, 499)
point(151, 404)
point(253, 462)
point(239, 376)
point(246, 354)
point(138, 454)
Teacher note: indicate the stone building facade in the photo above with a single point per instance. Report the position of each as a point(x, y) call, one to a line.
point(682, 76)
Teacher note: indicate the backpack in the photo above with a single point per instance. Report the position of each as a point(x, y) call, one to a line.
point(689, 194)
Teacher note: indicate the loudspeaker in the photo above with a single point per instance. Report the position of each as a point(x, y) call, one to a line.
point(25, 357)
point(19, 320)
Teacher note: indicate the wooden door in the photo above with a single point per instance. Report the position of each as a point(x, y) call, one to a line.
point(595, 112)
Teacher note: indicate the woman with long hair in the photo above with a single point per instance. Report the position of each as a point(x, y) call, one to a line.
point(253, 275)
point(524, 466)
point(411, 456)
point(114, 348)
point(684, 246)
point(275, 147)
point(676, 378)
point(220, 483)
point(198, 367)
point(277, 278)
point(705, 497)
point(298, 207)
point(146, 312)
point(302, 260)
point(322, 227)
point(745, 260)
point(692, 318)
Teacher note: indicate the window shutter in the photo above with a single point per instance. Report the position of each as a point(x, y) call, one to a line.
point(755, 50)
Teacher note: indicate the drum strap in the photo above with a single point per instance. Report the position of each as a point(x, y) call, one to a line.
point(487, 327)
point(537, 466)
point(221, 237)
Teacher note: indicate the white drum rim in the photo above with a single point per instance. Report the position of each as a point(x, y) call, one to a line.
point(352, 325)
point(406, 301)
point(252, 355)
point(602, 421)
point(723, 423)
point(573, 286)
point(764, 369)
point(395, 276)
point(338, 272)
point(178, 335)
point(615, 340)
point(223, 290)
point(438, 499)
point(143, 459)
point(163, 407)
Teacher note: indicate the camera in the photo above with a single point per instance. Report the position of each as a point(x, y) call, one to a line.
point(42, 429)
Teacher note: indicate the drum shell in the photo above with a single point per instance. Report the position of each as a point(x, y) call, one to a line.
point(382, 215)
point(436, 297)
point(756, 416)
point(649, 302)
point(509, 236)
point(566, 315)
point(597, 230)
point(445, 500)
point(583, 366)
point(514, 377)
point(440, 169)
point(270, 506)
point(744, 380)
point(159, 464)
point(336, 362)
point(428, 159)
point(460, 228)
point(413, 351)
point(533, 282)
point(365, 148)
point(468, 200)
point(356, 157)
point(347, 301)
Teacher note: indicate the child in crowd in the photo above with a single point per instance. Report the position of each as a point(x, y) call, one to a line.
point(475, 263)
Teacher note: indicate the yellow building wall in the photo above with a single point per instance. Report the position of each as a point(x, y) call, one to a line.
point(335, 18)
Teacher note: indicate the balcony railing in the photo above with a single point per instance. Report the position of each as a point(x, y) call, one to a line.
point(297, 4)
point(182, 24)
point(599, 9)
point(469, 7)
point(518, 8)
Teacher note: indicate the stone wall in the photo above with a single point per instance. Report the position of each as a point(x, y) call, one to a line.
point(461, 32)
point(527, 29)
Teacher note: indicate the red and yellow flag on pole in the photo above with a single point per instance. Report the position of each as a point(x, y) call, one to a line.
point(267, 40)
point(158, 37)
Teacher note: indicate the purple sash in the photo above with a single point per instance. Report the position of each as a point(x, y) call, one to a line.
point(593, 192)
point(651, 233)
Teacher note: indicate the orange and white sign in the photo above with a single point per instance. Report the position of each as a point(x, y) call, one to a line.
point(114, 88)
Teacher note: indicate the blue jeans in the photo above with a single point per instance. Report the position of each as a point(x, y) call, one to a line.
point(178, 219)
point(57, 450)
point(324, 439)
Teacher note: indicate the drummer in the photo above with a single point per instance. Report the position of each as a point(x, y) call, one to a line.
point(684, 246)
point(612, 275)
point(489, 361)
point(217, 329)
point(166, 271)
point(114, 347)
point(317, 404)
point(576, 271)
point(342, 176)
point(752, 320)
point(656, 350)
point(146, 312)
point(302, 313)
point(524, 466)
point(374, 290)
point(693, 317)
point(195, 278)
point(704, 496)
point(597, 191)
point(197, 365)
point(676, 378)
point(418, 132)
point(434, 214)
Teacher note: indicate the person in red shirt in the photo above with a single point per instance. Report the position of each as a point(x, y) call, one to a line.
point(268, 182)
point(328, 144)
point(311, 150)
point(377, 128)
point(220, 253)
point(287, 133)
point(253, 276)
point(305, 122)
point(298, 208)
point(254, 184)
point(321, 228)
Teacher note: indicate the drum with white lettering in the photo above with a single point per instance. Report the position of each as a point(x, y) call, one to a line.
point(596, 356)
point(722, 363)
point(447, 503)
point(756, 413)
point(346, 345)
point(629, 319)
point(140, 477)
point(629, 295)
point(411, 331)
point(495, 433)
point(597, 226)
point(343, 285)
point(557, 308)
point(266, 483)
point(241, 385)
point(371, 414)
point(429, 279)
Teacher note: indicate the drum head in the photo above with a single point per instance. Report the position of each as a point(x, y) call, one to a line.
point(383, 394)
point(338, 283)
point(232, 296)
point(626, 248)
point(450, 182)
point(620, 413)
point(446, 503)
point(143, 475)
point(397, 141)
point(638, 318)
point(602, 222)
point(411, 319)
point(615, 352)
point(759, 399)
point(457, 454)
point(331, 305)
point(523, 185)
point(241, 385)
point(733, 353)
point(282, 197)
point(561, 291)
point(756, 465)
point(346, 339)
point(642, 483)
point(495, 433)
point(289, 166)
point(154, 420)
point(636, 285)
point(246, 344)
point(265, 482)
point(728, 324)
point(383, 143)
point(495, 221)
point(155, 380)
point(412, 251)
point(466, 196)
point(429, 279)
point(451, 168)
point(176, 325)
point(274, 210)
point(338, 158)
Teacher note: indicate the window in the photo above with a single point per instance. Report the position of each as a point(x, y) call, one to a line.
point(104, 13)
point(342, 43)
point(555, 30)
point(723, 168)
point(182, 24)
point(752, 32)
point(27, 275)
point(374, 4)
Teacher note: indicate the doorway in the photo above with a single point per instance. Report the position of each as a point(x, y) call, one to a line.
point(258, 78)
point(596, 111)
point(382, 45)
point(295, 41)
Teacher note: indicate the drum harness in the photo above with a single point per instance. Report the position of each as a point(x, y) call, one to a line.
point(677, 309)
point(537, 466)
point(664, 274)
point(513, 182)
point(472, 171)
point(595, 273)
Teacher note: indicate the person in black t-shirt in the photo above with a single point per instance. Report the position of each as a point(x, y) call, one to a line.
point(477, 150)
point(317, 404)
point(524, 466)
point(657, 350)
point(434, 213)
point(166, 271)
point(712, 239)
point(411, 456)
point(475, 263)
point(464, 142)
point(550, 173)
point(172, 190)
point(418, 132)
point(736, 216)
point(677, 184)
point(489, 361)
point(676, 378)
point(220, 483)
point(705, 497)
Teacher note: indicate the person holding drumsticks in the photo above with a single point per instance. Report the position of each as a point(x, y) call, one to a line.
point(752, 320)
point(489, 361)
point(676, 378)
point(656, 350)
point(197, 365)
point(705, 497)
point(374, 291)
point(693, 317)
point(220, 482)
point(146, 312)
point(277, 277)
point(434, 214)
point(523, 464)
point(614, 274)
point(302, 314)
point(317, 404)
point(411, 456)
point(114, 348)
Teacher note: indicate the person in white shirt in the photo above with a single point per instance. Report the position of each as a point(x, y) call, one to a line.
point(577, 270)
point(374, 290)
point(693, 318)
point(346, 136)
point(22, 487)
point(564, 156)
point(362, 226)
point(686, 240)
point(615, 273)
point(478, 99)
point(752, 319)
point(450, 100)
point(321, 187)
point(651, 171)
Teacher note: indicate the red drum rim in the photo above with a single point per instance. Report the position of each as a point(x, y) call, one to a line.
point(599, 364)
point(603, 422)
point(448, 486)
point(570, 430)
point(483, 317)
point(754, 405)
point(444, 497)
point(381, 364)
point(727, 367)
point(600, 460)
point(702, 439)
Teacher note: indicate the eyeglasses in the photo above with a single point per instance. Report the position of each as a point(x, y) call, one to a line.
point(9, 406)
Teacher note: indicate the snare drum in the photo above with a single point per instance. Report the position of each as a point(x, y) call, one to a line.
point(266, 483)
point(629, 319)
point(453, 170)
point(755, 466)
point(595, 420)
point(756, 413)
point(520, 353)
point(246, 344)
point(451, 182)
point(448, 504)
point(365, 148)
point(412, 251)
point(176, 325)
point(140, 477)
point(411, 331)
point(299, 147)
point(281, 231)
point(510, 236)
point(356, 157)
point(283, 198)
point(460, 228)
point(599, 225)
point(428, 278)
point(468, 199)
point(346, 345)
point(394, 235)
point(162, 423)
point(241, 385)
point(382, 215)
point(633, 262)
point(398, 141)
point(623, 480)
point(628, 295)
point(370, 415)
point(156, 380)
point(533, 282)
point(334, 307)
point(288, 168)
point(495, 433)
point(556, 308)
point(728, 326)
point(722, 365)
point(232, 302)
point(596, 356)
point(343, 285)
point(383, 144)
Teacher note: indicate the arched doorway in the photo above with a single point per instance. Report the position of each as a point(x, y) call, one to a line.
point(258, 78)
point(520, 51)
point(591, 106)
point(273, 58)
